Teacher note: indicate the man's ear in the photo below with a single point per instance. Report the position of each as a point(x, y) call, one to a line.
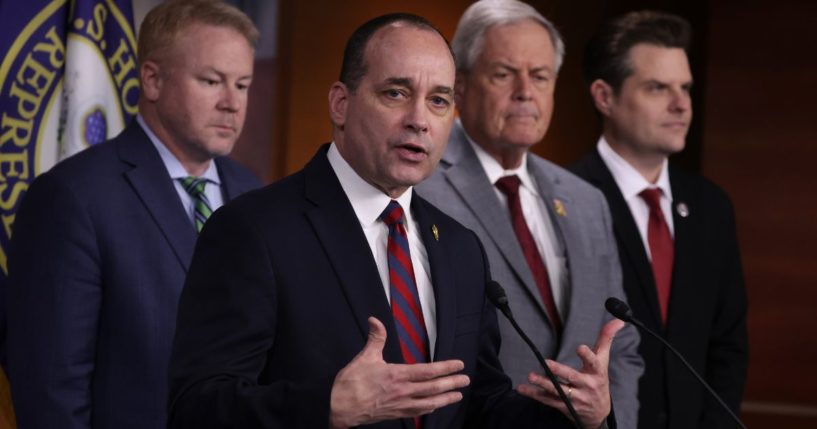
point(338, 103)
point(603, 96)
point(151, 80)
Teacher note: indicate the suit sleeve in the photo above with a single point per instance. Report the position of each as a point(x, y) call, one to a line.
point(226, 326)
point(626, 364)
point(728, 355)
point(55, 285)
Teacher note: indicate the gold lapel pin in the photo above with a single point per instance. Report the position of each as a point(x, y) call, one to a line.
point(436, 232)
point(559, 207)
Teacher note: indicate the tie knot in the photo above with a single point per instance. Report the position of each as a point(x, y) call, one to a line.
point(652, 196)
point(509, 185)
point(194, 185)
point(392, 214)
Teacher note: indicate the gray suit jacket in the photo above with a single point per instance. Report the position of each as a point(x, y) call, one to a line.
point(461, 189)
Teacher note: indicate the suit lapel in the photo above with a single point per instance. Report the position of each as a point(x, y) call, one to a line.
point(566, 235)
point(150, 181)
point(627, 233)
point(444, 293)
point(686, 246)
point(231, 187)
point(468, 178)
point(339, 231)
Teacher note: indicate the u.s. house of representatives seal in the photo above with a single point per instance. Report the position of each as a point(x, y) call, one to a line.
point(68, 80)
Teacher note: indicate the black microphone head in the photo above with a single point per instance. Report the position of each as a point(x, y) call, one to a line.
point(619, 309)
point(496, 294)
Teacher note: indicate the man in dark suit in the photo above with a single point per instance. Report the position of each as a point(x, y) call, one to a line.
point(508, 58)
point(103, 241)
point(675, 230)
point(337, 297)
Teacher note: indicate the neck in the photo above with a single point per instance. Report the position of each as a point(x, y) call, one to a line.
point(192, 164)
point(508, 158)
point(647, 164)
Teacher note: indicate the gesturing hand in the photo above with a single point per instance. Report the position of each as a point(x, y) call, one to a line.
point(588, 388)
point(369, 390)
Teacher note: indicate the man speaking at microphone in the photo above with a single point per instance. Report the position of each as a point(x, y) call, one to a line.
point(337, 297)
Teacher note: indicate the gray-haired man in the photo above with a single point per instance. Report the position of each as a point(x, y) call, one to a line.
point(548, 234)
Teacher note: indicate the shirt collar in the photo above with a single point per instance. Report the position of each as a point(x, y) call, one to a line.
point(628, 179)
point(495, 171)
point(367, 201)
point(172, 164)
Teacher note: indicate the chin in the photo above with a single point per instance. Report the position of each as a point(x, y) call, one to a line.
point(221, 149)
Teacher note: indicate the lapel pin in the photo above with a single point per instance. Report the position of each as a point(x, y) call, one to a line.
point(682, 209)
point(559, 207)
point(435, 232)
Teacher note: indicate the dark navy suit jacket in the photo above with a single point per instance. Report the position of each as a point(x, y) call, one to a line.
point(100, 250)
point(276, 302)
point(706, 320)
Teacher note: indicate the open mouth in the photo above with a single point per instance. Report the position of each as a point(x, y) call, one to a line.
point(413, 152)
point(413, 148)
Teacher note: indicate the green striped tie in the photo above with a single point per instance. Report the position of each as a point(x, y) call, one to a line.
point(201, 206)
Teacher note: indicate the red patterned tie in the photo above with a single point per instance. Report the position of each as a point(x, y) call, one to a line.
point(405, 301)
point(661, 248)
point(509, 185)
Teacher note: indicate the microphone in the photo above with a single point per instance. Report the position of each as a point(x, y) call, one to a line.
point(622, 311)
point(496, 294)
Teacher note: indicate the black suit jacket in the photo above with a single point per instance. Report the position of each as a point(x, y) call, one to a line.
point(706, 319)
point(276, 302)
point(100, 250)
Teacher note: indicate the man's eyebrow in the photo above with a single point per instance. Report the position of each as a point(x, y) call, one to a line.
point(222, 74)
point(407, 82)
point(442, 89)
point(506, 66)
point(400, 81)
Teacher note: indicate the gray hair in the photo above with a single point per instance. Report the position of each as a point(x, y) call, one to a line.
point(484, 14)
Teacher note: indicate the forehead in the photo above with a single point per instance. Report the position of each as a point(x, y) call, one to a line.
point(206, 42)
point(652, 62)
point(404, 50)
point(521, 41)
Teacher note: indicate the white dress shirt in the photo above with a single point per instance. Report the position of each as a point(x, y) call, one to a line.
point(539, 223)
point(630, 182)
point(212, 189)
point(368, 203)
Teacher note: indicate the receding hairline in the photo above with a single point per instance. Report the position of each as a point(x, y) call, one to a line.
point(392, 27)
point(404, 25)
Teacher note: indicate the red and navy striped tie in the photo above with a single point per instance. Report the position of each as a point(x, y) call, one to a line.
point(405, 301)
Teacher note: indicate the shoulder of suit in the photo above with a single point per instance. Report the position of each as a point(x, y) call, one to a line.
point(566, 179)
point(694, 185)
point(438, 216)
point(87, 168)
point(232, 170)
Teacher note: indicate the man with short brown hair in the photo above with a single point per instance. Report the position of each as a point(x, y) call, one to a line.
point(102, 242)
point(675, 230)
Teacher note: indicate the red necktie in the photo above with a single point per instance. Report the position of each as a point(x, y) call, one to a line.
point(509, 185)
point(405, 300)
point(661, 248)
